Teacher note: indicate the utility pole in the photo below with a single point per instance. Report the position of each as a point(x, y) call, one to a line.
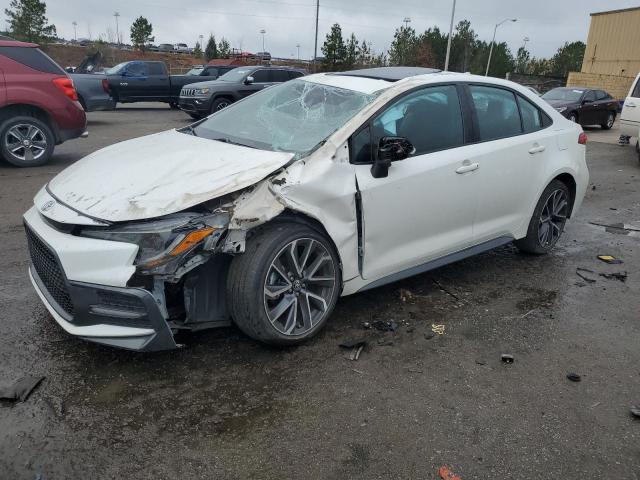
point(75, 32)
point(315, 47)
point(524, 42)
point(201, 37)
point(116, 14)
point(494, 41)
point(446, 62)
point(298, 47)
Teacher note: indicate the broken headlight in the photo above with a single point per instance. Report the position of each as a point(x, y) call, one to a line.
point(163, 243)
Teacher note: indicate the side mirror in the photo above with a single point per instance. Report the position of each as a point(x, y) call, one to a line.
point(390, 149)
point(248, 80)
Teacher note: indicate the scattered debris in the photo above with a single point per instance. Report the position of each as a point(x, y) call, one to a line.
point(358, 371)
point(635, 411)
point(429, 335)
point(528, 313)
point(610, 259)
point(579, 272)
point(405, 294)
point(507, 358)
point(351, 343)
point(621, 276)
point(385, 343)
point(439, 329)
point(356, 346)
point(595, 404)
point(446, 474)
point(385, 325)
point(414, 370)
point(366, 325)
point(481, 362)
point(21, 389)
point(593, 187)
point(574, 377)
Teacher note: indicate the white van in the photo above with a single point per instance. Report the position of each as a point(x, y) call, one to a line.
point(630, 116)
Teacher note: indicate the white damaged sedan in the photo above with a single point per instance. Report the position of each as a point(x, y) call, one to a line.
point(266, 212)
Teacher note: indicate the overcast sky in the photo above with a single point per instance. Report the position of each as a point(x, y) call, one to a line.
point(547, 23)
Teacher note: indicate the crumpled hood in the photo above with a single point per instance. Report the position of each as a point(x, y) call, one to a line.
point(160, 174)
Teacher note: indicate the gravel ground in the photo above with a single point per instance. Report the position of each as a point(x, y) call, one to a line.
point(226, 407)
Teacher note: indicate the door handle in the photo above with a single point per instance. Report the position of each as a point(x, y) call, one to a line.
point(467, 166)
point(537, 149)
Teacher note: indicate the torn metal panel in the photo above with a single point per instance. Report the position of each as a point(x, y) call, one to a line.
point(160, 174)
point(255, 207)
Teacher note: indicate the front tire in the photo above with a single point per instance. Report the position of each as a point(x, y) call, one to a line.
point(219, 104)
point(548, 220)
point(282, 290)
point(26, 141)
point(611, 118)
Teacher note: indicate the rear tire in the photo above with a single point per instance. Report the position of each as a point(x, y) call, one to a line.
point(611, 118)
point(548, 220)
point(38, 136)
point(276, 299)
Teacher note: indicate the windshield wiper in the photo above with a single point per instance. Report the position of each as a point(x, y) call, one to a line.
point(191, 130)
point(228, 140)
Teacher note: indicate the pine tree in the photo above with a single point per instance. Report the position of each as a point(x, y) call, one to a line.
point(141, 31)
point(27, 21)
point(334, 49)
point(211, 50)
point(224, 48)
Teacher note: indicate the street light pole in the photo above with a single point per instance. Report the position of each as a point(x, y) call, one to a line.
point(494, 41)
point(446, 61)
point(524, 42)
point(116, 14)
point(75, 33)
point(298, 47)
point(201, 37)
point(315, 46)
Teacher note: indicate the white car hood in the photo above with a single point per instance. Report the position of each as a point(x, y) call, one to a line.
point(160, 174)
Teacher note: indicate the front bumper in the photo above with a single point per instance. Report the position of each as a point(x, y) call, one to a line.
point(63, 271)
point(198, 105)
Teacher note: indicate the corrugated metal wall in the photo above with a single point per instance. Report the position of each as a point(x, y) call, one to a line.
point(613, 44)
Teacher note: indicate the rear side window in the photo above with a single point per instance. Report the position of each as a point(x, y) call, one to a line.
point(279, 76)
point(32, 58)
point(497, 112)
point(294, 74)
point(156, 69)
point(636, 89)
point(600, 95)
point(260, 76)
point(531, 115)
point(590, 96)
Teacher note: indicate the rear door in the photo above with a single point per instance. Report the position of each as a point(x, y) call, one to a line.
point(158, 84)
point(589, 113)
point(630, 116)
point(511, 154)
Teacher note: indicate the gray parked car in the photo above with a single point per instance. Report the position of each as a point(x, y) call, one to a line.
point(93, 91)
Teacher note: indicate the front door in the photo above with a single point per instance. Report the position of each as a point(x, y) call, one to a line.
point(261, 79)
point(424, 208)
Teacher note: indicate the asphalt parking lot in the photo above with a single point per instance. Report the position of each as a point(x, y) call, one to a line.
point(226, 407)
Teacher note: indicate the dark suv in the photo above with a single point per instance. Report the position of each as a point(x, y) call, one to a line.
point(39, 105)
point(202, 98)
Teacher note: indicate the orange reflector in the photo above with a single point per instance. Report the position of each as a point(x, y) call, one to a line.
point(190, 240)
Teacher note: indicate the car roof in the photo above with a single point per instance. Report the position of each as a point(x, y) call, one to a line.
point(389, 74)
point(16, 43)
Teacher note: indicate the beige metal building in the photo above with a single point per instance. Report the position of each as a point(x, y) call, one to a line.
point(612, 57)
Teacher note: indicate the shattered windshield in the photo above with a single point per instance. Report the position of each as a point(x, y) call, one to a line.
point(294, 116)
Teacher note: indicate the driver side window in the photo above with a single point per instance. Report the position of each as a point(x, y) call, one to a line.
point(430, 118)
point(137, 70)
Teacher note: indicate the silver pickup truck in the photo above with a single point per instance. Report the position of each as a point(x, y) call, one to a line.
point(93, 91)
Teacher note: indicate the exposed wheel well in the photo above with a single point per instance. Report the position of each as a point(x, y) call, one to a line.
point(21, 109)
point(569, 181)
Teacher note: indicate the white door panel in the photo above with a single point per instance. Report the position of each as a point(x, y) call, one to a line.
point(509, 180)
point(423, 210)
point(630, 116)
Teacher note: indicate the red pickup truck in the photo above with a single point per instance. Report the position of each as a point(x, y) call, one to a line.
point(39, 105)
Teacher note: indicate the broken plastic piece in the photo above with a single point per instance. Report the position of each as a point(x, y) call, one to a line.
point(574, 377)
point(353, 342)
point(621, 276)
point(385, 325)
point(610, 259)
point(507, 358)
point(439, 329)
point(446, 474)
point(429, 335)
point(21, 389)
point(635, 411)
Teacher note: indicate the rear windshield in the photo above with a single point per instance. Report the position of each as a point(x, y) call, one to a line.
point(32, 58)
point(566, 94)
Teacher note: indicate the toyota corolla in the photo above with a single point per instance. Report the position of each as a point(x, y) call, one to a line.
point(266, 212)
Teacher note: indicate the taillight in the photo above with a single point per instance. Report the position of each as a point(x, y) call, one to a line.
point(105, 85)
point(65, 84)
point(582, 138)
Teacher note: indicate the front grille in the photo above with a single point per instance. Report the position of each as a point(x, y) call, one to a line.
point(188, 92)
point(49, 270)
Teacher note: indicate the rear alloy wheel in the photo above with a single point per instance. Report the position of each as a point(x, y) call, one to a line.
point(284, 287)
point(26, 141)
point(548, 221)
point(219, 104)
point(611, 118)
